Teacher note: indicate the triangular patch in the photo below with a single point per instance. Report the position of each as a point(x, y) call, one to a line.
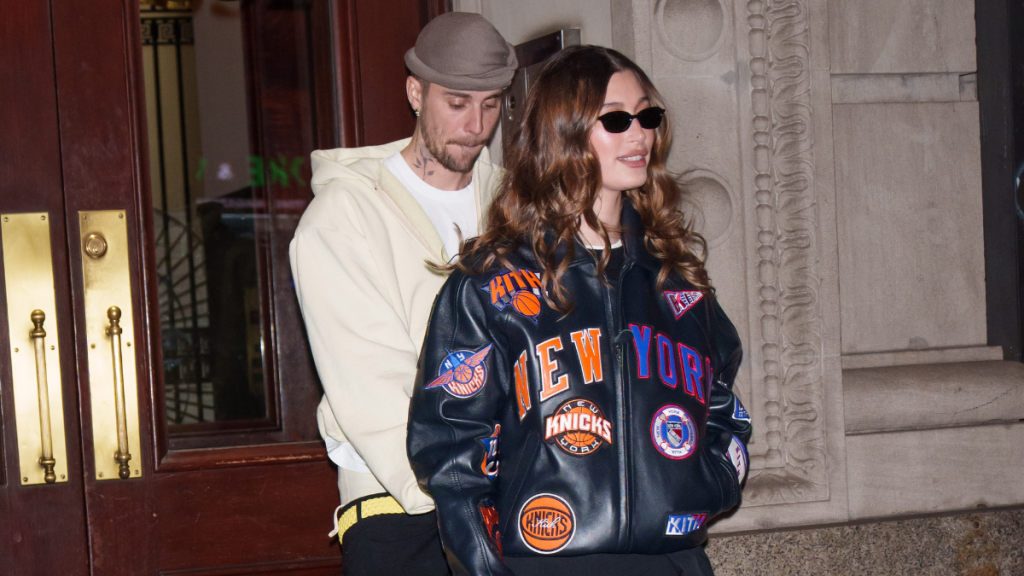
point(683, 301)
point(740, 413)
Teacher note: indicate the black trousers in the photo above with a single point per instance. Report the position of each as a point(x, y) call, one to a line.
point(400, 544)
point(692, 562)
point(394, 545)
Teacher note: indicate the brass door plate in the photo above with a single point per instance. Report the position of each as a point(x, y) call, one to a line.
point(28, 268)
point(107, 279)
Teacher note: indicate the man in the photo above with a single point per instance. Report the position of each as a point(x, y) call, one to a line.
point(360, 262)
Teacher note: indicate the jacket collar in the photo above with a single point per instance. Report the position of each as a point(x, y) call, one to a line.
point(632, 241)
point(633, 238)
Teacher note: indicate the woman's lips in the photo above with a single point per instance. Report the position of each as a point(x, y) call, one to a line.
point(635, 161)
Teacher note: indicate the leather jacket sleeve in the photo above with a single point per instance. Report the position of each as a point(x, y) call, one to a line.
point(727, 419)
point(461, 385)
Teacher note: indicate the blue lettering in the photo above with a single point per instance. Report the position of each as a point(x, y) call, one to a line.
point(666, 361)
point(692, 371)
point(642, 344)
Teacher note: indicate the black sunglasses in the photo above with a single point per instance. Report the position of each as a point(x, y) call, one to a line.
point(619, 121)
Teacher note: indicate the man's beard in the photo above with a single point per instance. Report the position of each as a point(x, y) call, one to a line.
point(438, 147)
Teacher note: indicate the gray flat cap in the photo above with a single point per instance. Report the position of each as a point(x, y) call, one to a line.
point(462, 51)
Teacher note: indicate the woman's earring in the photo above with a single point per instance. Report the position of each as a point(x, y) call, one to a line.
point(416, 112)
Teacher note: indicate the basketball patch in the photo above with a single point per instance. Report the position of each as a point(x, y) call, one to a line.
point(738, 457)
point(462, 373)
point(490, 463)
point(680, 302)
point(740, 413)
point(673, 432)
point(683, 524)
point(519, 289)
point(546, 523)
point(578, 426)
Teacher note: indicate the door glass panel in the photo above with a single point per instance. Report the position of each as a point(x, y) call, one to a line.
point(225, 199)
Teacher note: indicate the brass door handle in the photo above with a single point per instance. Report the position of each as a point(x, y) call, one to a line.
point(34, 359)
point(38, 336)
point(122, 455)
point(109, 329)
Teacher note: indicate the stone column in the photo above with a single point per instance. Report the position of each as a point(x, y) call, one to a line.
point(749, 91)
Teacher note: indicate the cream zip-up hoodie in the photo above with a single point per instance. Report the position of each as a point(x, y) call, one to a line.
point(359, 264)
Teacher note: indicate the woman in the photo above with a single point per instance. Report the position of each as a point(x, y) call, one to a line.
point(581, 335)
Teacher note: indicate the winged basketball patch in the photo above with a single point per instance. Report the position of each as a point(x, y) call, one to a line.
point(680, 302)
point(462, 373)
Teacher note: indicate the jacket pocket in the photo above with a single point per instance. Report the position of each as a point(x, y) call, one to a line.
point(515, 486)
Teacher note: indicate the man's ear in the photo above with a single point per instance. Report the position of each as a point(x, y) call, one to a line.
point(414, 91)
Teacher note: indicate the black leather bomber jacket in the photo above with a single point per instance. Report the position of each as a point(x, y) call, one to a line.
point(611, 430)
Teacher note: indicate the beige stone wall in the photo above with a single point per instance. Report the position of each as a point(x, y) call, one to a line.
point(831, 152)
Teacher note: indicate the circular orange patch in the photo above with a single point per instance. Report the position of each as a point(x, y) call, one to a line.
point(526, 303)
point(546, 523)
point(578, 427)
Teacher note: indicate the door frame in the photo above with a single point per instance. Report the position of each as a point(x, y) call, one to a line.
point(999, 27)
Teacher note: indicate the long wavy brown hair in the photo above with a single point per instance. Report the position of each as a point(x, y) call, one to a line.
point(553, 177)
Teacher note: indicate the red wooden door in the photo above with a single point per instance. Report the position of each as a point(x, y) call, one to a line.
point(175, 136)
point(42, 526)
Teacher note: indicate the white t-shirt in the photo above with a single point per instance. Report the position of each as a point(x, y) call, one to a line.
point(446, 208)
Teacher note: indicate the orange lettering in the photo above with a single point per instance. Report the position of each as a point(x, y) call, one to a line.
point(497, 290)
point(522, 386)
point(588, 348)
point(549, 387)
point(519, 279)
point(531, 278)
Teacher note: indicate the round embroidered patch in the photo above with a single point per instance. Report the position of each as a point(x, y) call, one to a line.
point(462, 373)
point(578, 426)
point(673, 432)
point(526, 303)
point(546, 523)
point(739, 458)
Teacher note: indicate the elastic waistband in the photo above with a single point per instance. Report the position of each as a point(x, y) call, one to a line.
point(356, 510)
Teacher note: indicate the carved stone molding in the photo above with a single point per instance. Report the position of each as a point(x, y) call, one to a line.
point(691, 30)
point(793, 467)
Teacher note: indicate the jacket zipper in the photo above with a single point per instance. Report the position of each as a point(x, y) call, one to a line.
point(625, 535)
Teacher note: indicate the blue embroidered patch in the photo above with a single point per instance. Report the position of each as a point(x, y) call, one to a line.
point(519, 289)
point(462, 373)
point(740, 413)
point(490, 464)
point(739, 458)
point(673, 432)
point(683, 524)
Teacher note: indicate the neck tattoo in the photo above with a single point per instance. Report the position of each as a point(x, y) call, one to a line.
point(422, 161)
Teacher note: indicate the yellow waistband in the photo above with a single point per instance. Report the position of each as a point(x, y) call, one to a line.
point(363, 508)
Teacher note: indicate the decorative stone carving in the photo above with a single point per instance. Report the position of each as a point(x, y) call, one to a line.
point(793, 466)
point(707, 200)
point(691, 29)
